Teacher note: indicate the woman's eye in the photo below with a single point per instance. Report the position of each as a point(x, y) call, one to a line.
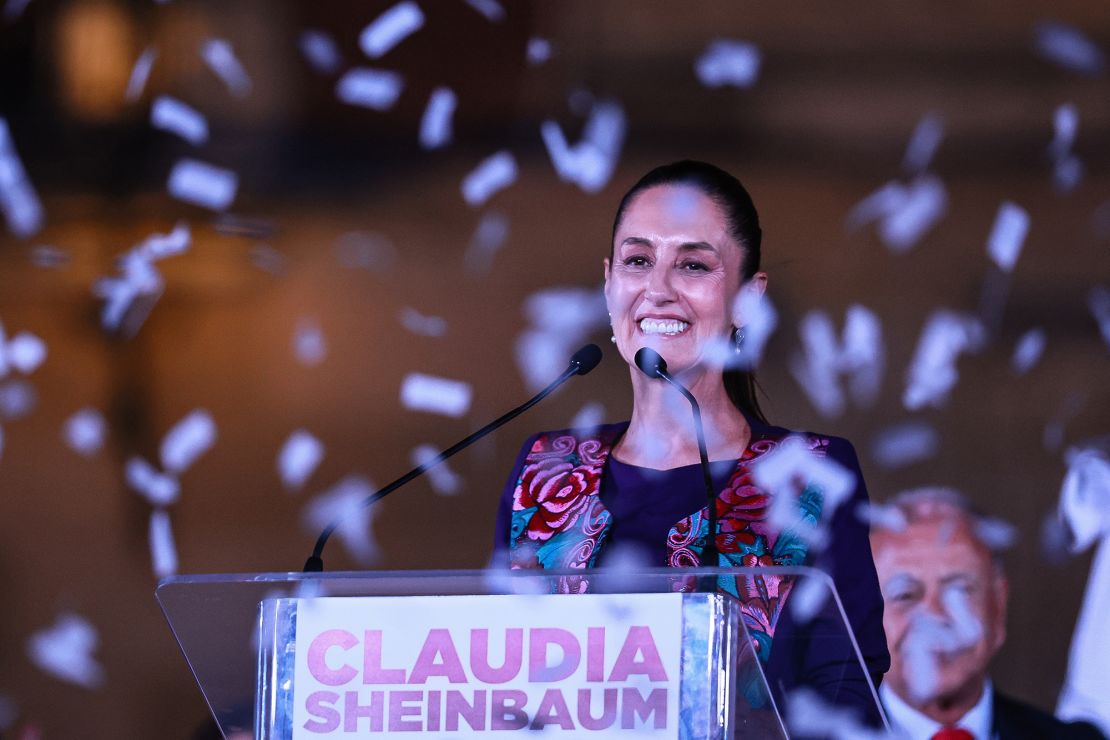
point(694, 266)
point(636, 261)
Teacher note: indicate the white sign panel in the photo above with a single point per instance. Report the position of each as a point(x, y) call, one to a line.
point(587, 666)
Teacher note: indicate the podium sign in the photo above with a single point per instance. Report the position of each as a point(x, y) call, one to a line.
point(595, 666)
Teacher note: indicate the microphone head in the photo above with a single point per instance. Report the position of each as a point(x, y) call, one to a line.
point(586, 358)
point(650, 362)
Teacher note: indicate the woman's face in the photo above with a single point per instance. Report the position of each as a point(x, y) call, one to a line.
point(674, 276)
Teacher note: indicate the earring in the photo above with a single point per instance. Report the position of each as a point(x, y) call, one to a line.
point(613, 338)
point(738, 340)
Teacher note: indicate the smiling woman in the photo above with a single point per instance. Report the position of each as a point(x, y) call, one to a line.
point(682, 275)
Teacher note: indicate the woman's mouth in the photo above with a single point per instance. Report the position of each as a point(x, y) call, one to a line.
point(666, 327)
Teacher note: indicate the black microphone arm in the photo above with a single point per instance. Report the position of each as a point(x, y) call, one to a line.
point(582, 362)
point(652, 364)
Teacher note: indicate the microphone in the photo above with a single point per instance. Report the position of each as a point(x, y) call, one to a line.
point(652, 364)
point(581, 362)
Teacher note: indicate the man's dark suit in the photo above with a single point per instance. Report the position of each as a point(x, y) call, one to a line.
point(1016, 720)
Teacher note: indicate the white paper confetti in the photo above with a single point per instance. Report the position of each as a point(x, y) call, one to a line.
point(932, 638)
point(220, 58)
point(560, 320)
point(320, 50)
point(156, 488)
point(491, 9)
point(1067, 173)
point(444, 481)
point(905, 213)
point(589, 417)
point(932, 373)
point(756, 316)
point(391, 28)
point(729, 62)
point(376, 89)
point(18, 200)
point(809, 715)
point(882, 516)
point(172, 115)
point(1008, 235)
point(65, 651)
point(435, 395)
point(924, 141)
point(22, 353)
point(493, 174)
point(160, 246)
point(808, 599)
point(163, 550)
point(1069, 47)
point(1028, 351)
point(139, 279)
point(489, 237)
point(187, 440)
point(85, 432)
point(419, 324)
point(589, 163)
point(203, 184)
point(17, 399)
point(859, 353)
point(140, 73)
point(435, 125)
point(309, 346)
point(298, 458)
point(905, 444)
point(344, 502)
point(1065, 127)
point(539, 50)
point(1085, 497)
point(1098, 301)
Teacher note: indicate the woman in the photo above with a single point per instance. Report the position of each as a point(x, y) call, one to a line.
point(686, 245)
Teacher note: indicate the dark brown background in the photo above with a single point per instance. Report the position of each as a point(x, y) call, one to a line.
point(839, 94)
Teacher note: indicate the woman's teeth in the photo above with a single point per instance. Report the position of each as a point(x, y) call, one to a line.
point(659, 326)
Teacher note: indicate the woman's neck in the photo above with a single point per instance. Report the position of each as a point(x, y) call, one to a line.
point(661, 433)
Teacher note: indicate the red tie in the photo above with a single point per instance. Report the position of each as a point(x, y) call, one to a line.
point(952, 733)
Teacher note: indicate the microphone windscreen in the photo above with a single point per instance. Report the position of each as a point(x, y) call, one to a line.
point(586, 358)
point(650, 362)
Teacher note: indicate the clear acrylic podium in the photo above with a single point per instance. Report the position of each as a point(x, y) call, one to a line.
point(238, 634)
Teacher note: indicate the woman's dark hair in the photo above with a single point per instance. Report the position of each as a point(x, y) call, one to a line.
point(743, 224)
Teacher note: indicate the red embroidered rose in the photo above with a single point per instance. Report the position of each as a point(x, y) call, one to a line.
point(740, 504)
point(559, 490)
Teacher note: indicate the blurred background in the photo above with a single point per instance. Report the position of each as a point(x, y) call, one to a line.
point(355, 200)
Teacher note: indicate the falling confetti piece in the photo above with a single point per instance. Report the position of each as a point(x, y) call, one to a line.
point(560, 319)
point(163, 550)
point(309, 346)
point(203, 184)
point(859, 354)
point(18, 201)
point(187, 440)
point(1069, 47)
point(539, 50)
point(156, 488)
point(905, 444)
point(65, 651)
point(139, 74)
point(321, 51)
point(23, 353)
point(391, 28)
point(489, 237)
point(491, 9)
point(590, 416)
point(435, 125)
point(905, 213)
point(418, 323)
point(17, 399)
point(85, 432)
point(780, 472)
point(729, 62)
point(220, 58)
point(932, 373)
point(444, 481)
point(1028, 351)
point(589, 163)
point(1008, 235)
point(375, 89)
point(172, 115)
point(924, 141)
point(298, 459)
point(435, 395)
point(344, 502)
point(493, 174)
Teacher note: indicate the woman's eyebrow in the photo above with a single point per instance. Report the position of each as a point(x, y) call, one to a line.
point(637, 240)
point(698, 247)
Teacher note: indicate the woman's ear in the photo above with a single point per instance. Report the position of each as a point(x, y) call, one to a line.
point(751, 293)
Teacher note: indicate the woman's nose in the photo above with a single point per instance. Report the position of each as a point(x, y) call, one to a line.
point(659, 287)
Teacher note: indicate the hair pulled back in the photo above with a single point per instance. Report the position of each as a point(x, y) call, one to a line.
point(743, 225)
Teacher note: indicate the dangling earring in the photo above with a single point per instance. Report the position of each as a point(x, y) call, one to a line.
point(613, 338)
point(738, 340)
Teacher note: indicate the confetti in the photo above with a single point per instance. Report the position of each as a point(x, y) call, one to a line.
point(1068, 47)
point(320, 50)
point(1007, 236)
point(932, 373)
point(1085, 497)
point(23, 353)
point(140, 73)
point(375, 89)
point(495, 173)
point(489, 237)
point(221, 59)
point(156, 488)
point(298, 458)
point(491, 9)
point(418, 323)
point(808, 715)
point(309, 346)
point(728, 62)
point(1098, 301)
point(18, 200)
point(391, 28)
point(435, 125)
point(1065, 126)
point(1028, 351)
point(85, 431)
point(932, 638)
point(160, 246)
point(203, 184)
point(859, 354)
point(172, 115)
point(1067, 173)
point(444, 481)
point(589, 417)
point(187, 440)
point(808, 599)
point(589, 163)
point(905, 444)
point(905, 213)
point(882, 516)
point(344, 502)
point(560, 319)
point(17, 399)
point(538, 51)
point(923, 144)
point(373, 252)
point(139, 280)
point(996, 534)
point(435, 395)
point(65, 651)
point(163, 551)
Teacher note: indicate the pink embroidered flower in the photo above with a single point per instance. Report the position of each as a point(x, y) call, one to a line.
point(559, 490)
point(738, 506)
